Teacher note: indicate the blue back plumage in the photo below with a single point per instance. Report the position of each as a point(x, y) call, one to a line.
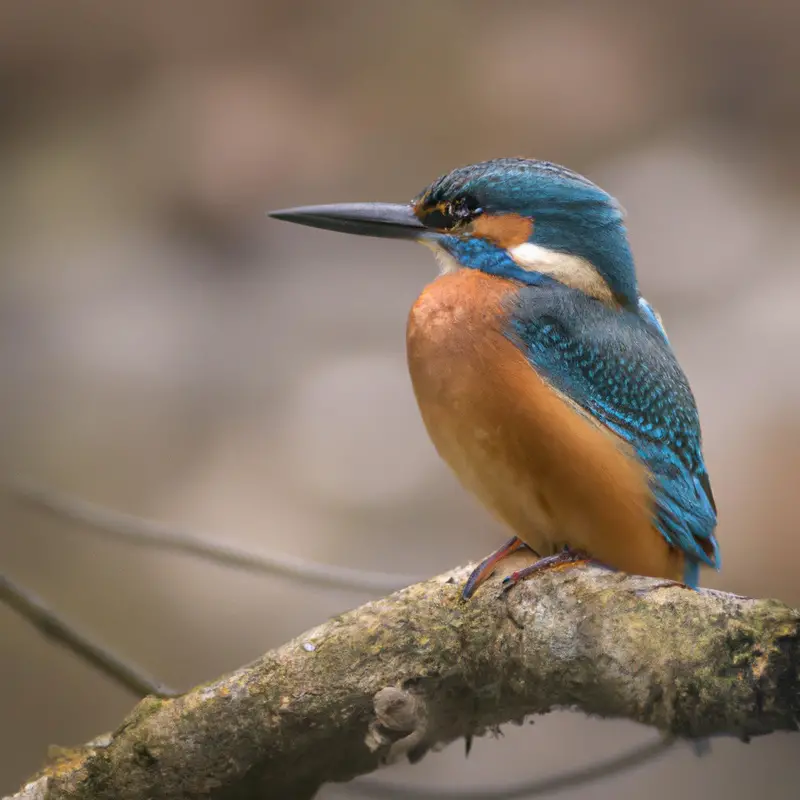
point(618, 367)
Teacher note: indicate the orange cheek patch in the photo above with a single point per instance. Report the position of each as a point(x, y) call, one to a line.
point(504, 230)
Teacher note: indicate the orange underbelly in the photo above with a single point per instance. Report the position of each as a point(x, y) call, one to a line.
point(554, 476)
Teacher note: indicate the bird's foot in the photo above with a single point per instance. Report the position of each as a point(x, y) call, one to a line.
point(487, 566)
point(566, 558)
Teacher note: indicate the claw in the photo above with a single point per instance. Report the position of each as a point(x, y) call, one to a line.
point(487, 566)
point(563, 559)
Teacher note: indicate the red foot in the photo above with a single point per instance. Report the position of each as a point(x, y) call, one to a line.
point(486, 567)
point(563, 559)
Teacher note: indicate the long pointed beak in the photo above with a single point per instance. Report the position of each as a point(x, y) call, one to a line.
point(386, 220)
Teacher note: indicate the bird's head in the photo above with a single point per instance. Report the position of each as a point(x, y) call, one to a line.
point(527, 220)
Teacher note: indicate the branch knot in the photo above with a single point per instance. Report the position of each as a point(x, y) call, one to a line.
point(397, 711)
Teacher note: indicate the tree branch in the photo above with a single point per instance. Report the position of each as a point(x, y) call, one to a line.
point(397, 676)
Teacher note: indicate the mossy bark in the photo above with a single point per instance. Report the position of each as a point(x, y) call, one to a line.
point(421, 667)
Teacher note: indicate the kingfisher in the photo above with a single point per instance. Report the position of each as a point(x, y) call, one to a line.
point(545, 380)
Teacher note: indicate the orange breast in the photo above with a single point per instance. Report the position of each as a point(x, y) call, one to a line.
point(550, 473)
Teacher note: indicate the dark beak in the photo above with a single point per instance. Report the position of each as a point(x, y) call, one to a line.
point(386, 220)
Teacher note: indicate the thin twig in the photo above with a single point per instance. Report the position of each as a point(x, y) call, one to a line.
point(552, 784)
point(138, 531)
point(50, 625)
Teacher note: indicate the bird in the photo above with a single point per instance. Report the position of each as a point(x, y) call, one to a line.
point(544, 378)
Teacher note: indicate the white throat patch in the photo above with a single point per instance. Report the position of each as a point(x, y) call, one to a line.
point(571, 270)
point(536, 258)
point(447, 264)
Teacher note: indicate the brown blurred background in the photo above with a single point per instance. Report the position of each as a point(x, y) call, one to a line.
point(168, 351)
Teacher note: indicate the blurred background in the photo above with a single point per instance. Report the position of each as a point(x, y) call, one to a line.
point(168, 351)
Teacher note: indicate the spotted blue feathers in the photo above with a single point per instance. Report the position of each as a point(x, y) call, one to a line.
point(618, 367)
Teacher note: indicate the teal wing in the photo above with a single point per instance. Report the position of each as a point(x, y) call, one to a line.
point(619, 367)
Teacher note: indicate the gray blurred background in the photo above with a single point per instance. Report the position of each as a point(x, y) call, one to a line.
point(168, 351)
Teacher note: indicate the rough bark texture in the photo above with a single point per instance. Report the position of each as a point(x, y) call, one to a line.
point(421, 667)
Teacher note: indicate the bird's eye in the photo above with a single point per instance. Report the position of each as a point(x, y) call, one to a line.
point(438, 217)
point(451, 214)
